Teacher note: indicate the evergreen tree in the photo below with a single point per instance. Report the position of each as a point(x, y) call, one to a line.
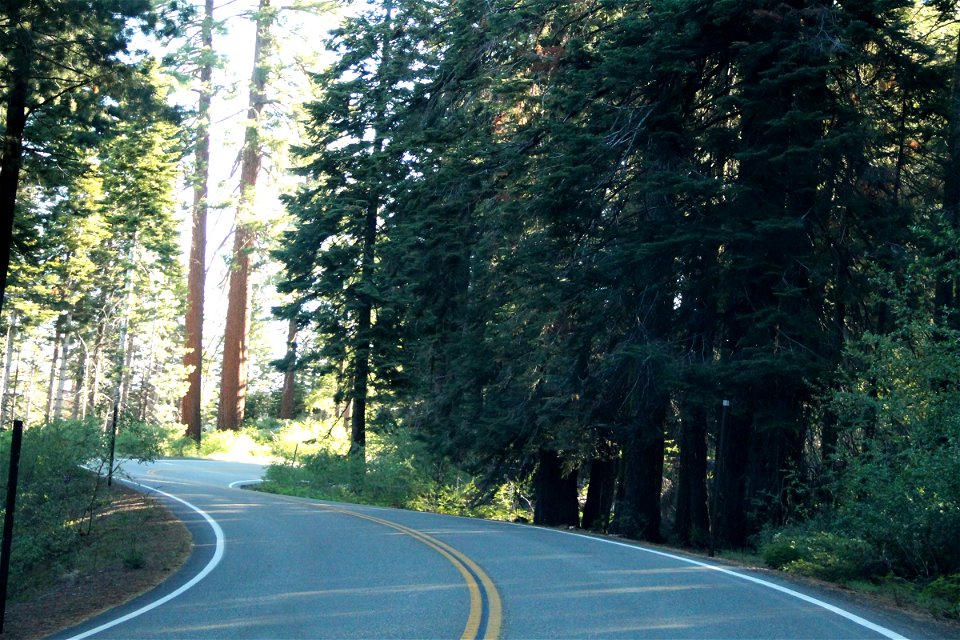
point(342, 216)
point(57, 59)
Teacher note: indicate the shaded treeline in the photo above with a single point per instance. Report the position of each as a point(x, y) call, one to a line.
point(623, 249)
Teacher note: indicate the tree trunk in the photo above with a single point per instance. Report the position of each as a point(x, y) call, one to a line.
point(81, 388)
point(289, 375)
point(361, 365)
point(603, 479)
point(97, 366)
point(54, 361)
point(191, 406)
point(728, 515)
point(62, 381)
point(14, 124)
point(641, 478)
point(7, 366)
point(233, 375)
point(362, 348)
point(126, 370)
point(556, 493)
point(146, 380)
point(31, 383)
point(692, 523)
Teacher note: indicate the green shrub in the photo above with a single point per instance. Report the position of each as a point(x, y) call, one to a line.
point(180, 447)
point(780, 552)
point(143, 441)
point(823, 555)
point(246, 442)
point(943, 595)
point(56, 495)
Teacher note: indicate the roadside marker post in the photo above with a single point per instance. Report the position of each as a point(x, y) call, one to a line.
point(15, 445)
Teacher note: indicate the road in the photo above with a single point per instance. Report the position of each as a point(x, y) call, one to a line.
point(268, 566)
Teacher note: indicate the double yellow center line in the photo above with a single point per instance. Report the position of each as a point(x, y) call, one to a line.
point(486, 611)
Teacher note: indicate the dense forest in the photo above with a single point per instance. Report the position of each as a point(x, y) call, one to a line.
point(686, 270)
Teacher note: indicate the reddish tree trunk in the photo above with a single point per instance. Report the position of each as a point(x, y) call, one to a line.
point(233, 377)
point(289, 375)
point(191, 408)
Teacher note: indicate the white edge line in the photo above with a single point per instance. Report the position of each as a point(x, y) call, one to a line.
point(887, 633)
point(214, 561)
point(234, 485)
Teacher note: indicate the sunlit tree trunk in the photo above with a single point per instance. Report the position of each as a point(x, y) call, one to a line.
point(54, 362)
point(7, 367)
point(289, 375)
point(233, 375)
point(63, 375)
point(31, 384)
point(126, 370)
point(97, 367)
point(191, 408)
point(81, 390)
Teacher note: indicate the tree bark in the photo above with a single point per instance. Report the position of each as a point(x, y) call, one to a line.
point(361, 366)
point(556, 493)
point(600, 491)
point(233, 376)
point(728, 515)
point(191, 405)
point(16, 119)
point(126, 370)
point(7, 367)
point(363, 341)
point(641, 478)
point(62, 381)
point(289, 375)
point(97, 366)
point(54, 362)
point(692, 523)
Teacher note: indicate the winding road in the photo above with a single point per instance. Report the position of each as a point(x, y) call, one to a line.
point(267, 566)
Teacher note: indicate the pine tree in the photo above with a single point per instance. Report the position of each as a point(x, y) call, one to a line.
point(332, 256)
point(55, 57)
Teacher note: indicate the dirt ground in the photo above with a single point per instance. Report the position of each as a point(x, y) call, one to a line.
point(121, 568)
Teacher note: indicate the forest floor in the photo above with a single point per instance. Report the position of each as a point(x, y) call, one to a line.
point(135, 543)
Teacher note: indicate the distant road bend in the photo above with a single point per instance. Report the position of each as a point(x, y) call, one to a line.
point(268, 566)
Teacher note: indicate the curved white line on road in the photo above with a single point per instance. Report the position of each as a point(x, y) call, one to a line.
point(214, 561)
point(852, 617)
point(237, 483)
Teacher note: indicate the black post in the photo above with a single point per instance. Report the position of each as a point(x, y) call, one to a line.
point(113, 445)
point(15, 444)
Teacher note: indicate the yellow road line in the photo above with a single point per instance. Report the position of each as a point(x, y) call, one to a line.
point(471, 573)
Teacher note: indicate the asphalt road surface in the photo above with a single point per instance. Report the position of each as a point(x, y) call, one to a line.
point(268, 566)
